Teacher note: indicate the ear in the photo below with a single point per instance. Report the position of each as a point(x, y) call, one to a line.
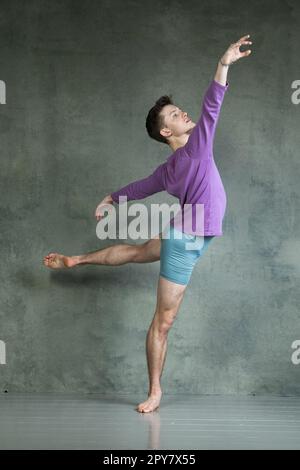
point(165, 132)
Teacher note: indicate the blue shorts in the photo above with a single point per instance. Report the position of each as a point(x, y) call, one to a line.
point(179, 256)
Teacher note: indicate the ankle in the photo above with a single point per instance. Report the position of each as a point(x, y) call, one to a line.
point(155, 390)
point(75, 260)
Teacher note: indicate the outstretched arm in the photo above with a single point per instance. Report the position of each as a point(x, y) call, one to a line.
point(200, 143)
point(143, 188)
point(137, 190)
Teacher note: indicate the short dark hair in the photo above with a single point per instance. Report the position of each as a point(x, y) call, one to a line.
point(155, 120)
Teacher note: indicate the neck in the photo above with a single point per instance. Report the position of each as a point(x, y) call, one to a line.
point(181, 141)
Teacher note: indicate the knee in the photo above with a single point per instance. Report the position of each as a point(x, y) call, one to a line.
point(138, 253)
point(146, 252)
point(164, 321)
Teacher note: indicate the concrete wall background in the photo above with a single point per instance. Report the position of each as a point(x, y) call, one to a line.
point(80, 78)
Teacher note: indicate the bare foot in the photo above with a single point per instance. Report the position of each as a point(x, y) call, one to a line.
point(55, 261)
point(150, 404)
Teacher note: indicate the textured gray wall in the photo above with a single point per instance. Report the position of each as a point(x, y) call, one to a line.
point(81, 77)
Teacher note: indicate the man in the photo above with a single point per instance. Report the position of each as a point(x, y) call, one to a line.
point(190, 174)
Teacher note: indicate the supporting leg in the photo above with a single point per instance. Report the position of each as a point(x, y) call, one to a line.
point(169, 299)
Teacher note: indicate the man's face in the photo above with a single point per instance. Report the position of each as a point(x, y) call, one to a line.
point(177, 121)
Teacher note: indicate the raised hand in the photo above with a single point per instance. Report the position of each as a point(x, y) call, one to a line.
point(233, 53)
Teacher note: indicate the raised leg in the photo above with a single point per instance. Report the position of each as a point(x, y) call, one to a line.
point(169, 298)
point(115, 255)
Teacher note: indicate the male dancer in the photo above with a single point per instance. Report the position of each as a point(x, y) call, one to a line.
point(190, 174)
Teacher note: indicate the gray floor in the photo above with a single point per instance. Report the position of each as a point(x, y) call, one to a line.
point(47, 421)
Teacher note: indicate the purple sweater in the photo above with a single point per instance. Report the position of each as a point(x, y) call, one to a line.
point(190, 173)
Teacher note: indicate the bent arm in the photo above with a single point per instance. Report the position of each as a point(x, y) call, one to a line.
point(143, 188)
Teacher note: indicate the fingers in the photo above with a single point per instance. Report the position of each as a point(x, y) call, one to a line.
point(98, 212)
point(246, 53)
point(244, 38)
point(98, 215)
point(242, 41)
point(102, 208)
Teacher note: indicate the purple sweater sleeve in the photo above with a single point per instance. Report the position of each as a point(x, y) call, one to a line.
point(200, 143)
point(143, 188)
